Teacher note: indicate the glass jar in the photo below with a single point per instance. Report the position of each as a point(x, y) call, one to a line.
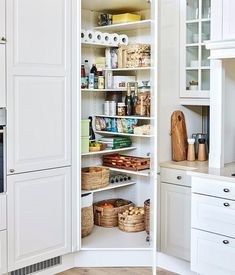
point(143, 100)
point(121, 109)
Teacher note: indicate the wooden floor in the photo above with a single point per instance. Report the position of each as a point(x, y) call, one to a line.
point(113, 271)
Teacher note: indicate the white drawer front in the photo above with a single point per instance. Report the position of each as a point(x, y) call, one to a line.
point(175, 176)
point(2, 212)
point(213, 214)
point(211, 187)
point(212, 254)
point(3, 252)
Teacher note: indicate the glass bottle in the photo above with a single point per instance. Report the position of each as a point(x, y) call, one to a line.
point(128, 100)
point(83, 77)
point(91, 132)
point(92, 74)
point(134, 90)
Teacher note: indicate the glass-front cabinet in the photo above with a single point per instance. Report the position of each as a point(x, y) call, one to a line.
point(194, 63)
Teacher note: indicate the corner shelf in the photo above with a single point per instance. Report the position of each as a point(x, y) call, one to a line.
point(109, 151)
point(129, 69)
point(104, 90)
point(143, 173)
point(121, 134)
point(143, 24)
point(97, 45)
point(127, 117)
point(109, 187)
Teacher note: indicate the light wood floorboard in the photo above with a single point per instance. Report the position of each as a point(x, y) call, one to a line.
point(113, 271)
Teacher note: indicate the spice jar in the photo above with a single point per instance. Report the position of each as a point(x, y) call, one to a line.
point(121, 109)
point(143, 100)
point(191, 149)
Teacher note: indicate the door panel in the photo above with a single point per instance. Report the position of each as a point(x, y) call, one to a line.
point(2, 74)
point(39, 84)
point(2, 19)
point(3, 252)
point(39, 216)
point(228, 19)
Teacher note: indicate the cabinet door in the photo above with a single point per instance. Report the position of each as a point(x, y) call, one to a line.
point(228, 19)
point(39, 216)
point(39, 88)
point(2, 19)
point(175, 220)
point(3, 252)
point(2, 75)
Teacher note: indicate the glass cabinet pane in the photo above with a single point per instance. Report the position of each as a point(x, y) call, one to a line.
point(192, 35)
point(206, 26)
point(192, 9)
point(205, 54)
point(192, 57)
point(205, 80)
point(206, 9)
point(192, 80)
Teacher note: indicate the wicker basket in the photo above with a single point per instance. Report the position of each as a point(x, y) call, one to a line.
point(94, 178)
point(131, 223)
point(108, 217)
point(147, 215)
point(87, 215)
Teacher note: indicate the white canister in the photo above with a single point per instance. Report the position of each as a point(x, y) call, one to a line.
point(106, 108)
point(112, 108)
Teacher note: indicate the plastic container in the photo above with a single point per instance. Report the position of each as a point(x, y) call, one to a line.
point(85, 128)
point(125, 18)
point(84, 145)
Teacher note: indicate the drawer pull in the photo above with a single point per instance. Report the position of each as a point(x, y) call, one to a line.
point(226, 204)
point(179, 177)
point(226, 190)
point(226, 242)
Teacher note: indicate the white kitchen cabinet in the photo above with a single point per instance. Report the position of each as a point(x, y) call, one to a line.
point(2, 20)
point(175, 220)
point(2, 76)
point(3, 211)
point(39, 216)
point(228, 19)
point(39, 84)
point(3, 252)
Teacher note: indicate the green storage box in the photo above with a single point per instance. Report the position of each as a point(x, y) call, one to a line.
point(85, 127)
point(84, 145)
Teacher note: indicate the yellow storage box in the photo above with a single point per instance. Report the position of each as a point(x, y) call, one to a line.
point(125, 18)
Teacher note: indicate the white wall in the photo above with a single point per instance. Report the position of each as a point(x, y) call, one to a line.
point(169, 77)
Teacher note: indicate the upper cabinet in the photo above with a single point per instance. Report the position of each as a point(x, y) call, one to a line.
point(2, 21)
point(39, 84)
point(2, 55)
point(195, 67)
point(228, 19)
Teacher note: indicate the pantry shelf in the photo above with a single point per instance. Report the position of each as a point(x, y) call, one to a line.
point(127, 117)
point(143, 173)
point(130, 69)
point(108, 151)
point(104, 90)
point(97, 45)
point(143, 24)
point(103, 238)
point(109, 187)
point(122, 134)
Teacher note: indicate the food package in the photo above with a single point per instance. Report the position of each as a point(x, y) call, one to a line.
point(138, 55)
point(125, 18)
point(178, 136)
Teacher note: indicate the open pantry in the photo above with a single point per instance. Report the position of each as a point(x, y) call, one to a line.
point(118, 116)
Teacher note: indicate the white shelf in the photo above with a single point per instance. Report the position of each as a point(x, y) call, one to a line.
point(127, 117)
point(223, 49)
point(195, 101)
point(103, 238)
point(143, 24)
point(198, 68)
point(108, 151)
point(198, 20)
point(104, 90)
point(129, 69)
point(97, 45)
point(143, 173)
point(192, 45)
point(122, 134)
point(109, 187)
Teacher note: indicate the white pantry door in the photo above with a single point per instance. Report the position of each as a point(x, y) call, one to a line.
point(39, 216)
point(38, 84)
point(2, 55)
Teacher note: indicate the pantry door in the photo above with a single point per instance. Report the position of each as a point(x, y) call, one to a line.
point(39, 84)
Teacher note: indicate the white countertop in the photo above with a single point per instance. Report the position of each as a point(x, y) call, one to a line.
point(201, 169)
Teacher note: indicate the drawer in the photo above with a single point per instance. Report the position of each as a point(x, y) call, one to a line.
point(212, 254)
point(175, 176)
point(2, 212)
point(211, 187)
point(213, 214)
point(3, 252)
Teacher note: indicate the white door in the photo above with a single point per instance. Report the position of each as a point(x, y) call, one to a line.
point(228, 19)
point(39, 216)
point(39, 84)
point(175, 220)
point(2, 20)
point(3, 252)
point(2, 75)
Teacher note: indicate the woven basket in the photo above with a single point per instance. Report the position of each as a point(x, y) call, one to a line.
point(87, 223)
point(147, 215)
point(131, 223)
point(108, 217)
point(94, 178)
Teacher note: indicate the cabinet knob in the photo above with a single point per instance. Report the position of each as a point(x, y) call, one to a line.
point(179, 177)
point(12, 170)
point(226, 204)
point(226, 242)
point(226, 190)
point(3, 39)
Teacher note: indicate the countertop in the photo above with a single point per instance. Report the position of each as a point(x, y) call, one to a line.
point(201, 169)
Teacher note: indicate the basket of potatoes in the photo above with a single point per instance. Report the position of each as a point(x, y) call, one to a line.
point(132, 220)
